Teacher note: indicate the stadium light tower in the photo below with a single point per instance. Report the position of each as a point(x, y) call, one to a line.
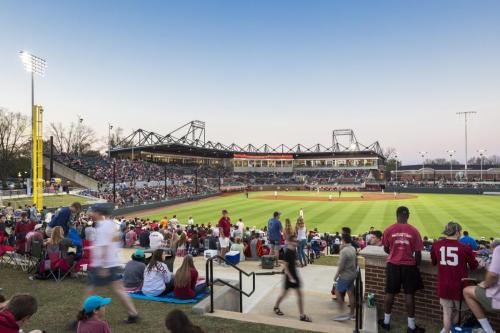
point(423, 154)
point(451, 153)
point(481, 154)
point(110, 127)
point(396, 159)
point(466, 115)
point(78, 135)
point(33, 65)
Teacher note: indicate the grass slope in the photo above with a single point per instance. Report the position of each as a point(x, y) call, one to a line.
point(478, 214)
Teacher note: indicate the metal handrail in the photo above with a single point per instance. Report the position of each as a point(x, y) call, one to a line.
point(358, 291)
point(209, 267)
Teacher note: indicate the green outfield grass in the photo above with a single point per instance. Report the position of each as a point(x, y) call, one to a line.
point(51, 201)
point(478, 214)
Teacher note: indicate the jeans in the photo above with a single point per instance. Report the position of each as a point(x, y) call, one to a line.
point(301, 253)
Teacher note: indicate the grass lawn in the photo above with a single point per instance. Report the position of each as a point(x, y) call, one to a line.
point(479, 214)
point(60, 302)
point(51, 201)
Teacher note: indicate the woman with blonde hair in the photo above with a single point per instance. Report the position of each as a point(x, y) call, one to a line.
point(300, 230)
point(186, 279)
point(56, 236)
point(288, 231)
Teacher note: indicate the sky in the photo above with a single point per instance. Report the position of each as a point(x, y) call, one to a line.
point(265, 71)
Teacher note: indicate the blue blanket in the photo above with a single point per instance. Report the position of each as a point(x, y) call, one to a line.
point(168, 298)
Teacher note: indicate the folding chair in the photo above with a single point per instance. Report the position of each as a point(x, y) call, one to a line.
point(7, 255)
point(36, 255)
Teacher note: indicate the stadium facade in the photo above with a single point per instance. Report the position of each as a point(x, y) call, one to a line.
point(188, 145)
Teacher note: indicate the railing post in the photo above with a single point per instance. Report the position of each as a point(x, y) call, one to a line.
point(211, 286)
point(241, 292)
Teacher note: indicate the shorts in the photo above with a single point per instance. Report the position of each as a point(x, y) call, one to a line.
point(484, 300)
point(407, 276)
point(290, 285)
point(224, 242)
point(114, 274)
point(274, 244)
point(344, 285)
point(453, 304)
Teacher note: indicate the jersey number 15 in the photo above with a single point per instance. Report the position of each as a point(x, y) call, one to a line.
point(449, 256)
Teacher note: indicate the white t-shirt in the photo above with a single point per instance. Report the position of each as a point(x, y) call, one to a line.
point(106, 250)
point(90, 233)
point(241, 226)
point(301, 233)
point(155, 239)
point(190, 221)
point(301, 213)
point(154, 281)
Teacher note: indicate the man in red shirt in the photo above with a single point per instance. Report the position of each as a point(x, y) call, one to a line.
point(404, 244)
point(453, 259)
point(224, 232)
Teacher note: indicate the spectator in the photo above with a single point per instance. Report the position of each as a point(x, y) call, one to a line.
point(468, 240)
point(130, 237)
point(177, 322)
point(376, 239)
point(17, 313)
point(181, 245)
point(224, 226)
point(404, 245)
point(155, 239)
point(90, 317)
point(144, 238)
point(237, 246)
point(90, 231)
point(486, 295)
point(292, 280)
point(105, 258)
point(454, 259)
point(345, 276)
point(23, 227)
point(186, 279)
point(133, 274)
point(64, 217)
point(335, 244)
point(301, 232)
point(288, 231)
point(157, 277)
point(274, 235)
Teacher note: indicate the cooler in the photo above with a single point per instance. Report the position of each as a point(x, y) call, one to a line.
point(268, 262)
point(233, 257)
point(207, 254)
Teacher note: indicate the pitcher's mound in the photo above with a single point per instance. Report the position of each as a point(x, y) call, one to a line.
point(363, 197)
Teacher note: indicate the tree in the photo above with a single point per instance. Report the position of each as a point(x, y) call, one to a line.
point(14, 140)
point(389, 153)
point(68, 139)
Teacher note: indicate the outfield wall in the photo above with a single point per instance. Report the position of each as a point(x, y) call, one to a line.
point(160, 204)
point(439, 190)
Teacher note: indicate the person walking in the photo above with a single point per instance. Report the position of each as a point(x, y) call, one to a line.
point(292, 280)
point(105, 257)
point(274, 229)
point(404, 245)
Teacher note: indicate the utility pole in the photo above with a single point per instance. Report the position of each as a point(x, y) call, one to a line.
point(466, 116)
point(114, 182)
point(450, 153)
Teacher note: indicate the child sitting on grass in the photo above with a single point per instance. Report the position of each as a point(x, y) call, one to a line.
point(90, 318)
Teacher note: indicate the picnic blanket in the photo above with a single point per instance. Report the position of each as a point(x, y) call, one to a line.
point(168, 298)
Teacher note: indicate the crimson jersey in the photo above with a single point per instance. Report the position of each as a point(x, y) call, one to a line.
point(454, 259)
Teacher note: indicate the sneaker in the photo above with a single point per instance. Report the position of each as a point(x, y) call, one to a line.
point(132, 319)
point(342, 317)
point(385, 326)
point(415, 330)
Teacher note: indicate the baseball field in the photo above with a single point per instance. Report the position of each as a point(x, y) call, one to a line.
point(479, 214)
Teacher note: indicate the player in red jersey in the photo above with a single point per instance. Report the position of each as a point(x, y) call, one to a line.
point(454, 261)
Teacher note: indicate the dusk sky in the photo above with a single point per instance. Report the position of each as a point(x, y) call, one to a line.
point(265, 71)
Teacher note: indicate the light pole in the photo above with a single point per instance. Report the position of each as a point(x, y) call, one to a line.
point(78, 134)
point(110, 127)
point(450, 153)
point(396, 159)
point(422, 154)
point(481, 154)
point(33, 65)
point(466, 115)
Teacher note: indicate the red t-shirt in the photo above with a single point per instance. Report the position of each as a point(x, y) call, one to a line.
point(187, 292)
point(225, 225)
point(403, 240)
point(453, 259)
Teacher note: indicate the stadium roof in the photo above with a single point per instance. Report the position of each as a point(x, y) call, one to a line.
point(191, 138)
